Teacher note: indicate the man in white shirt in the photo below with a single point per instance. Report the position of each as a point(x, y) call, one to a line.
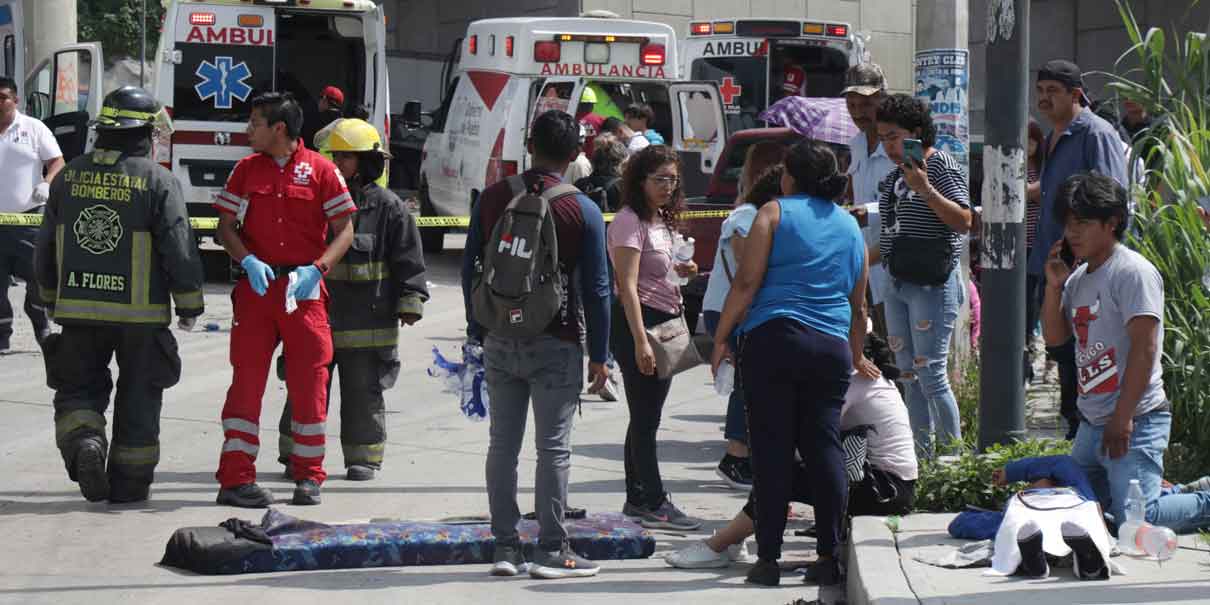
point(865, 87)
point(27, 148)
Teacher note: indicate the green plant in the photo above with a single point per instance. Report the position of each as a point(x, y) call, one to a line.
point(949, 484)
point(115, 24)
point(966, 391)
point(1172, 83)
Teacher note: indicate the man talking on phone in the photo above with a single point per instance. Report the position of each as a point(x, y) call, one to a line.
point(1079, 142)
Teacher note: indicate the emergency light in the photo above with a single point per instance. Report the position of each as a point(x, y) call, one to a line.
point(508, 46)
point(202, 19)
point(812, 29)
point(652, 54)
point(839, 31)
point(473, 45)
point(251, 21)
point(699, 29)
point(724, 27)
point(596, 53)
point(547, 51)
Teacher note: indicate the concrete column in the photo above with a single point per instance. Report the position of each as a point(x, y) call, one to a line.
point(49, 24)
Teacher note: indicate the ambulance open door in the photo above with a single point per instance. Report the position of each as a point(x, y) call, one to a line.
point(699, 132)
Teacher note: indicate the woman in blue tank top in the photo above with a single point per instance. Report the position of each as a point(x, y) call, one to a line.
point(798, 299)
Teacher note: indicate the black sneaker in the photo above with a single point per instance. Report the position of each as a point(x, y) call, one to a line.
point(668, 516)
point(509, 561)
point(306, 493)
point(634, 510)
point(736, 471)
point(90, 472)
point(1087, 559)
point(824, 572)
point(1033, 558)
point(359, 472)
point(248, 495)
point(764, 573)
point(564, 563)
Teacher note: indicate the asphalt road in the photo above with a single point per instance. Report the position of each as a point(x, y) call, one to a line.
point(57, 548)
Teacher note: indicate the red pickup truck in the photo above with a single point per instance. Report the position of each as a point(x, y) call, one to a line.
point(720, 195)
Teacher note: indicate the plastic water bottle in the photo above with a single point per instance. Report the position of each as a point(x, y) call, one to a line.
point(1127, 532)
point(682, 252)
point(724, 381)
point(1156, 542)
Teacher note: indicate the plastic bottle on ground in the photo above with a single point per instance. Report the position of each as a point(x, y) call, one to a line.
point(1156, 542)
point(1134, 520)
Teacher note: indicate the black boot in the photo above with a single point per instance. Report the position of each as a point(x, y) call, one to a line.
point(824, 572)
point(90, 471)
point(765, 573)
point(306, 493)
point(1033, 558)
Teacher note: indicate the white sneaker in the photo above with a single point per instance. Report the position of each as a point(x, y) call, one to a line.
point(698, 556)
point(738, 553)
point(609, 391)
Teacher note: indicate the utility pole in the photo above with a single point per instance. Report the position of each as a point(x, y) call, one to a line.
point(142, 44)
point(52, 24)
point(1002, 388)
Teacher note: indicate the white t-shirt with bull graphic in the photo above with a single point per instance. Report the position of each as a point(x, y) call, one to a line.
point(1100, 304)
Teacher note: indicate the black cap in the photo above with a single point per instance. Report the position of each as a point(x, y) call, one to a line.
point(127, 107)
point(1066, 73)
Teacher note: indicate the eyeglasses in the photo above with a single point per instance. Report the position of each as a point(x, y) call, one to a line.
point(665, 181)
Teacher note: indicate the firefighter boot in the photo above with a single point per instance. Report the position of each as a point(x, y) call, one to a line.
point(90, 471)
point(306, 493)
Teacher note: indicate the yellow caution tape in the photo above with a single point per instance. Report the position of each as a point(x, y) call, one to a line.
point(12, 219)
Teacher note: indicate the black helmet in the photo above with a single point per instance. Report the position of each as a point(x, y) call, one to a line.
point(129, 107)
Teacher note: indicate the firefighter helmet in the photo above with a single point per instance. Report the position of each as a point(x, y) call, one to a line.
point(131, 107)
point(355, 136)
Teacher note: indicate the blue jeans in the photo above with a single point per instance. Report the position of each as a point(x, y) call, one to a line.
point(920, 321)
point(736, 428)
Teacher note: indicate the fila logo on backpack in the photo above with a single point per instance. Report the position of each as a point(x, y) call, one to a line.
point(518, 292)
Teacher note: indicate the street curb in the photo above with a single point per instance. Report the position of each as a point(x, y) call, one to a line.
point(875, 576)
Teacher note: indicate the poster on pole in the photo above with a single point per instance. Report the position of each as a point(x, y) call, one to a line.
point(942, 80)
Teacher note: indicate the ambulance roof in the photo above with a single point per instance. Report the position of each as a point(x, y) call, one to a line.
point(528, 30)
point(336, 5)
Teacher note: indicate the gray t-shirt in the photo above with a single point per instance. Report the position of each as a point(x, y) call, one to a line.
point(1100, 304)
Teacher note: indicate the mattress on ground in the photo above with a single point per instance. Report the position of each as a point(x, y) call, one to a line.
point(284, 543)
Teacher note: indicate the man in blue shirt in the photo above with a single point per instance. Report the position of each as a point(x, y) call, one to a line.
point(1080, 142)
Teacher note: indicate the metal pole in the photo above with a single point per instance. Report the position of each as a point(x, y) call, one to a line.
point(1002, 388)
point(142, 43)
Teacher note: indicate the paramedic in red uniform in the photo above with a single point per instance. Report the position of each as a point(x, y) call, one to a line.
point(794, 79)
point(275, 215)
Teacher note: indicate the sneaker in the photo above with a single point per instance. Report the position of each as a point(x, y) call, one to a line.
point(248, 495)
point(824, 572)
point(634, 510)
point(359, 472)
point(1033, 559)
point(509, 561)
point(1087, 560)
point(306, 493)
point(698, 555)
point(736, 471)
point(563, 563)
point(738, 553)
point(609, 390)
point(1201, 485)
point(764, 573)
point(90, 472)
point(668, 516)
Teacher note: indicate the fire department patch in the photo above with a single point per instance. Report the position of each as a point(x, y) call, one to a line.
point(302, 173)
point(98, 229)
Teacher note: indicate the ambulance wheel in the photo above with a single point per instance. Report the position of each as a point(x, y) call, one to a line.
point(432, 239)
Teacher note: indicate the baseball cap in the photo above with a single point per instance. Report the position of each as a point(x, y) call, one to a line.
point(865, 79)
point(1066, 73)
point(334, 95)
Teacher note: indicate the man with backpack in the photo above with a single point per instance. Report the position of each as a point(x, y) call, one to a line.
point(529, 235)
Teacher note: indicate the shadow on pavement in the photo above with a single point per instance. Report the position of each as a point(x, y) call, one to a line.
point(671, 451)
point(712, 418)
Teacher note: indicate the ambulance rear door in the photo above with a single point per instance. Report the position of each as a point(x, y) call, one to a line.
point(561, 93)
point(12, 42)
point(64, 91)
point(699, 131)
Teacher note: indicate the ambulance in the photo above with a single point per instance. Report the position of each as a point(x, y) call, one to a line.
point(12, 40)
point(758, 61)
point(215, 56)
point(508, 71)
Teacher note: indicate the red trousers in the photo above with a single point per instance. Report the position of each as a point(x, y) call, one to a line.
point(261, 322)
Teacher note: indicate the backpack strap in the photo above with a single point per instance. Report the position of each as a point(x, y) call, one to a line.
point(517, 184)
point(558, 191)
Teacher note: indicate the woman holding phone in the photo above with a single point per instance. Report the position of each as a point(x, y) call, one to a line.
point(926, 210)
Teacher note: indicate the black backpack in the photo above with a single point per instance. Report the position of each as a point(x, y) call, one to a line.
point(598, 191)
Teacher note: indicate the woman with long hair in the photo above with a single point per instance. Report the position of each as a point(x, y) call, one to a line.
point(1036, 150)
point(640, 245)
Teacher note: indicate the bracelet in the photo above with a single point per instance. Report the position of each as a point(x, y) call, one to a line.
point(322, 266)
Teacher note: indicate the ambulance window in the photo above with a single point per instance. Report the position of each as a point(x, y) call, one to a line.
point(444, 110)
point(37, 96)
point(556, 95)
point(699, 125)
point(743, 84)
point(72, 72)
point(10, 56)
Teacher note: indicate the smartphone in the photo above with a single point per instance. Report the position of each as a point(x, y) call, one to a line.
point(1067, 255)
point(913, 151)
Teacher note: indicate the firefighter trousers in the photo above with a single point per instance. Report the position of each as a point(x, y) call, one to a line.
point(261, 322)
point(364, 375)
point(77, 368)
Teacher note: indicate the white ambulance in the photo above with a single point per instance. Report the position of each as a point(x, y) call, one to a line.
point(215, 56)
point(758, 61)
point(511, 70)
point(12, 40)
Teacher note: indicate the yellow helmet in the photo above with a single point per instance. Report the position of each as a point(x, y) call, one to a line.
point(588, 96)
point(354, 136)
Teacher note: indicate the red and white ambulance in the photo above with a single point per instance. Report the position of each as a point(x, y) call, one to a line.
point(758, 61)
point(215, 56)
point(511, 70)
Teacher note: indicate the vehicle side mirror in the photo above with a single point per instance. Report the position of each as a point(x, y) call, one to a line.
point(412, 114)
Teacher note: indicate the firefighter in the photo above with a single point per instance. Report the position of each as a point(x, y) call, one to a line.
point(377, 287)
point(285, 216)
point(114, 245)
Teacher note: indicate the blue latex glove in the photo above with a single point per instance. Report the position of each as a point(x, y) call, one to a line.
point(259, 274)
point(308, 278)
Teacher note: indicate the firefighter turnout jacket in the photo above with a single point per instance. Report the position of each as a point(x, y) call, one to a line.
point(115, 244)
point(380, 278)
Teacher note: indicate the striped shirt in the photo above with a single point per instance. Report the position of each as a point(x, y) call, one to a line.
point(912, 216)
point(1033, 211)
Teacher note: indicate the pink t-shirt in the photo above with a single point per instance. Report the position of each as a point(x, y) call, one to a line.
point(654, 243)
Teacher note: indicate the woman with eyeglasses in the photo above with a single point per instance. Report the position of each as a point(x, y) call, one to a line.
point(640, 245)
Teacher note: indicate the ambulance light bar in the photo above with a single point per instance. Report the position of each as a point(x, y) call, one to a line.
point(717, 27)
point(547, 51)
point(508, 45)
point(812, 29)
point(202, 19)
point(472, 45)
point(601, 38)
point(251, 21)
point(651, 54)
point(839, 31)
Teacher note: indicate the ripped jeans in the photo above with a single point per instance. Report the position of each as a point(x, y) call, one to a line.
point(920, 321)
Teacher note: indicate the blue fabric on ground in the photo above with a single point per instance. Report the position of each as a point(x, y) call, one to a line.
point(1062, 470)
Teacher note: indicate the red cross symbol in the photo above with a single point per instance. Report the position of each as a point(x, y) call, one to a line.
point(729, 90)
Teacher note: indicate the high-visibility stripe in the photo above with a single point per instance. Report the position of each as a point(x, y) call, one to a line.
point(188, 300)
point(241, 425)
point(359, 272)
point(59, 231)
point(298, 428)
point(410, 304)
point(225, 205)
point(338, 201)
point(230, 198)
point(363, 453)
point(111, 312)
point(307, 451)
point(140, 268)
point(365, 339)
point(78, 419)
point(135, 456)
point(239, 445)
point(113, 112)
point(341, 209)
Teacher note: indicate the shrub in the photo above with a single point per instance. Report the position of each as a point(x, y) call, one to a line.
point(949, 484)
